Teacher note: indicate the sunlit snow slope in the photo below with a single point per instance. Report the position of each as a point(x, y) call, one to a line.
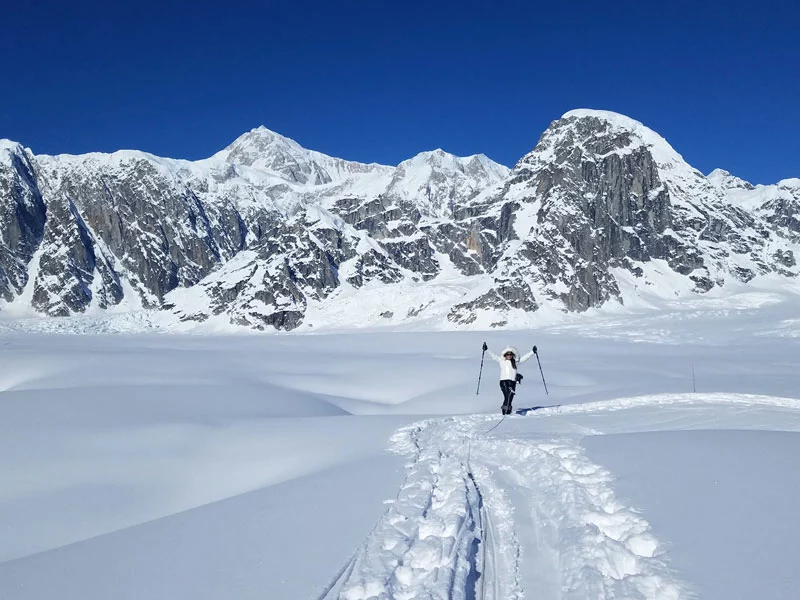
point(365, 466)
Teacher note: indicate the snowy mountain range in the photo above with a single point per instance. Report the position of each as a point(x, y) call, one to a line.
point(267, 234)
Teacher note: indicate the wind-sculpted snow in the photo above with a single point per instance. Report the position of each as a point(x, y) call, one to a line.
point(672, 400)
point(211, 467)
point(483, 515)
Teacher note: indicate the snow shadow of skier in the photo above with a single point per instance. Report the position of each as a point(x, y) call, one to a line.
point(525, 411)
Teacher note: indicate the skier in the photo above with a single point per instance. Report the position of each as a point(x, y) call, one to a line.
point(508, 372)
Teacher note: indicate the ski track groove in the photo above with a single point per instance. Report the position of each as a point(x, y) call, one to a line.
point(452, 531)
point(333, 588)
point(490, 559)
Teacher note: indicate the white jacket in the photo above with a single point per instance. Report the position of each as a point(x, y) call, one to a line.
point(507, 371)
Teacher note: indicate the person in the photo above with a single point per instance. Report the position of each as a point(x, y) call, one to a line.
point(508, 360)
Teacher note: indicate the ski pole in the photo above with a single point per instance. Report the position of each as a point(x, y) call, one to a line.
point(481, 371)
point(540, 370)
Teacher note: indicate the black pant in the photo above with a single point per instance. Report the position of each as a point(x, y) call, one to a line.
point(508, 387)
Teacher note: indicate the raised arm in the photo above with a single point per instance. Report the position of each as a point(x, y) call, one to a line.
point(491, 354)
point(527, 355)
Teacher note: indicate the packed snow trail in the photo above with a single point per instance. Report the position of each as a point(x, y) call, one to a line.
point(483, 516)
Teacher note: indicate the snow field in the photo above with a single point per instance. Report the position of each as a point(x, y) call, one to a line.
point(724, 499)
point(210, 467)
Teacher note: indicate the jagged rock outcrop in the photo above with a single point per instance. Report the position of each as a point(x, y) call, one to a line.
point(73, 270)
point(600, 193)
point(265, 233)
point(158, 228)
point(22, 217)
point(271, 283)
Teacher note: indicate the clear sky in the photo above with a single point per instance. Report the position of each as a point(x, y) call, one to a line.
point(380, 81)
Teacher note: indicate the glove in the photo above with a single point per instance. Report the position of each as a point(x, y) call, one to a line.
point(534, 349)
point(485, 347)
point(519, 378)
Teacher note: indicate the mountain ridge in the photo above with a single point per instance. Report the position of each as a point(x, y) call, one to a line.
point(265, 232)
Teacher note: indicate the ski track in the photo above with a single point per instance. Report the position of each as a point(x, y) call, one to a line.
point(452, 531)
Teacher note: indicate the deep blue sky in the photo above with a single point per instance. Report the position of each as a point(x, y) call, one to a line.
point(380, 81)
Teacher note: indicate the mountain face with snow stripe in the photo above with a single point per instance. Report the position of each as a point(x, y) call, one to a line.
point(602, 199)
point(22, 217)
point(268, 234)
point(130, 227)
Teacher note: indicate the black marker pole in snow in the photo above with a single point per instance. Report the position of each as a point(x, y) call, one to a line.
point(481, 371)
point(540, 370)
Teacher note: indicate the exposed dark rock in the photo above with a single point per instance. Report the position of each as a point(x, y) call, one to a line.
point(72, 270)
point(22, 218)
point(266, 228)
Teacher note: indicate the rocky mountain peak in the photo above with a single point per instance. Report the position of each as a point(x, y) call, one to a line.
point(264, 149)
point(791, 184)
point(267, 150)
point(601, 133)
point(8, 147)
point(249, 147)
point(725, 181)
point(435, 180)
point(445, 162)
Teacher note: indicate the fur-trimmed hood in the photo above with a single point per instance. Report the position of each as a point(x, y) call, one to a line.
point(512, 350)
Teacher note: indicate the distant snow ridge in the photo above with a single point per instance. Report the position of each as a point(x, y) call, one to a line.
point(267, 234)
point(452, 531)
point(269, 151)
point(778, 204)
point(724, 180)
point(438, 182)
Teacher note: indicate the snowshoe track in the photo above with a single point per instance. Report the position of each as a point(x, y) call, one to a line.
point(427, 543)
point(452, 531)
